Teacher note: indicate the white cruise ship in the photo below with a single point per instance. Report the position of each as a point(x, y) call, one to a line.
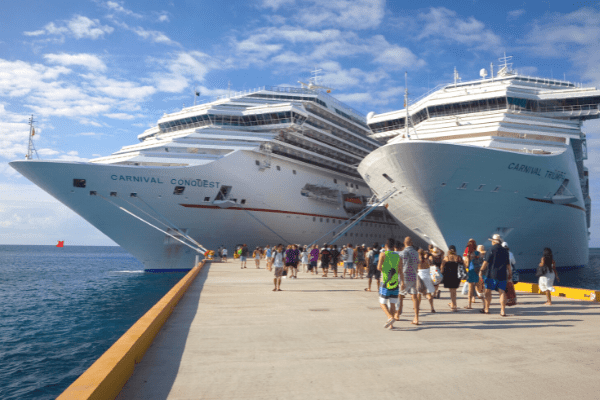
point(498, 155)
point(275, 165)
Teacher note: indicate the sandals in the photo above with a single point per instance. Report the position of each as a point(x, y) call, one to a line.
point(389, 323)
point(483, 311)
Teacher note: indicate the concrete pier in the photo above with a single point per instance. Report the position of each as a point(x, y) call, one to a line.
point(232, 337)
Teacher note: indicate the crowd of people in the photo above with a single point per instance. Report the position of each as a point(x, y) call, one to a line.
point(403, 270)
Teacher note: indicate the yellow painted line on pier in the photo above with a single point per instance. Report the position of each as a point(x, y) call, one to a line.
point(107, 376)
point(570, 293)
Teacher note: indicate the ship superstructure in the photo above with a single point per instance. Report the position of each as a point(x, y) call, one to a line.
point(272, 165)
point(498, 155)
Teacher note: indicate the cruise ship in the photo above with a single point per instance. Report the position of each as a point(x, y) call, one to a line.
point(502, 154)
point(268, 166)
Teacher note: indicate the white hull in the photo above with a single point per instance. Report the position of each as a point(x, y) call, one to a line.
point(519, 209)
point(274, 211)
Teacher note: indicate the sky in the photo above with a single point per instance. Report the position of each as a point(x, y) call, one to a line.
point(95, 74)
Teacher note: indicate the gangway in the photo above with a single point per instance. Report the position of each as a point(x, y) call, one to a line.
point(352, 222)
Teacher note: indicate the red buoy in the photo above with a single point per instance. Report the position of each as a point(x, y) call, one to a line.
point(61, 243)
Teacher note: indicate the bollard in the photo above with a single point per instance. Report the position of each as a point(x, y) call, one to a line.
point(197, 260)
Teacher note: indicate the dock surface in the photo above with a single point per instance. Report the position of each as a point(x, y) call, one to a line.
point(232, 337)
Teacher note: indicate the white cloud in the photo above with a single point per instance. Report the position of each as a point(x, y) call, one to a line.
point(118, 7)
point(86, 60)
point(441, 25)
point(154, 36)
point(79, 27)
point(163, 17)
point(514, 14)
point(182, 70)
point(122, 116)
point(352, 14)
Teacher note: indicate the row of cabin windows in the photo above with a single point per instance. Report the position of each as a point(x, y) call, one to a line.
point(497, 103)
point(232, 120)
point(352, 185)
point(339, 221)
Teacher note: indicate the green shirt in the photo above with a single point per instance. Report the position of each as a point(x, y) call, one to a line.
point(389, 270)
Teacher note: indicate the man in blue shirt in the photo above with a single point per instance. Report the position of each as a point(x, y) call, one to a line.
point(497, 263)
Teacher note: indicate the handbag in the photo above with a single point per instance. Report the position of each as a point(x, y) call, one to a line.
point(462, 272)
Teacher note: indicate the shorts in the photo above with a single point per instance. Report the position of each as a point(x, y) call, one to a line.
point(333, 267)
point(243, 258)
point(348, 265)
point(494, 284)
point(313, 264)
point(388, 296)
point(278, 272)
point(290, 264)
point(373, 273)
point(410, 287)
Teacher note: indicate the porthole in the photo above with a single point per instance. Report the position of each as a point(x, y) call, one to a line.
point(278, 168)
point(294, 171)
point(243, 201)
point(207, 199)
point(257, 162)
point(178, 190)
point(79, 183)
point(113, 194)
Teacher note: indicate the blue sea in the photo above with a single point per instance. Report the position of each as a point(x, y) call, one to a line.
point(61, 308)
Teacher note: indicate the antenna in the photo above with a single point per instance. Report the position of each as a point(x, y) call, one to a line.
point(229, 89)
point(456, 76)
point(196, 94)
point(406, 101)
point(315, 78)
point(30, 147)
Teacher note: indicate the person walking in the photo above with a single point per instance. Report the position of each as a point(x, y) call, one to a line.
point(389, 266)
point(497, 266)
point(224, 251)
point(372, 261)
point(244, 255)
point(335, 259)
point(277, 262)
point(256, 254)
point(295, 260)
point(437, 257)
point(359, 256)
point(268, 256)
point(546, 273)
point(348, 258)
point(475, 262)
point(314, 259)
point(325, 257)
point(469, 249)
point(450, 271)
point(304, 259)
point(409, 263)
point(424, 283)
point(289, 261)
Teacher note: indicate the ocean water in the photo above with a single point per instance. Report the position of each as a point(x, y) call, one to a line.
point(61, 308)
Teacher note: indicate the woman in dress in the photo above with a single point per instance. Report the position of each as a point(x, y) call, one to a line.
point(548, 270)
point(304, 256)
point(469, 249)
point(436, 258)
point(450, 271)
point(425, 284)
point(257, 253)
point(475, 262)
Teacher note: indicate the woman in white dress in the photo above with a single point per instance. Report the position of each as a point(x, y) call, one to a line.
point(304, 259)
point(547, 273)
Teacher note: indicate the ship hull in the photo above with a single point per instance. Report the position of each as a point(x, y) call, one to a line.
point(274, 210)
point(441, 198)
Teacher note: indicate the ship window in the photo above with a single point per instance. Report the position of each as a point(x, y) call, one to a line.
point(497, 189)
point(223, 192)
point(92, 193)
point(113, 194)
point(357, 187)
point(464, 185)
point(207, 199)
point(243, 201)
point(386, 176)
point(346, 183)
point(327, 220)
point(79, 183)
point(235, 201)
point(278, 168)
point(132, 194)
point(352, 185)
point(314, 219)
point(294, 171)
point(178, 189)
point(257, 162)
point(335, 181)
point(443, 184)
point(320, 219)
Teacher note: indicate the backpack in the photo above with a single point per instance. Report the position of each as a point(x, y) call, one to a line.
point(374, 259)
